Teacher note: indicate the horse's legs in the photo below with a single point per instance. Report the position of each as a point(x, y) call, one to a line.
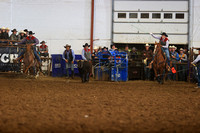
point(27, 68)
point(155, 72)
point(162, 75)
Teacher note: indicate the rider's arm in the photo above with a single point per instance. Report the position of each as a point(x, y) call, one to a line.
point(196, 60)
point(36, 41)
point(73, 55)
point(83, 54)
point(156, 37)
point(22, 42)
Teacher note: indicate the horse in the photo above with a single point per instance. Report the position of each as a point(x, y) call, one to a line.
point(159, 64)
point(30, 62)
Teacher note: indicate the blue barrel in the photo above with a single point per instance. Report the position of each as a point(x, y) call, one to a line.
point(57, 70)
point(119, 69)
point(76, 72)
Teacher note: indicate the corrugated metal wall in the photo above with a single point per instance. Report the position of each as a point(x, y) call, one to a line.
point(130, 26)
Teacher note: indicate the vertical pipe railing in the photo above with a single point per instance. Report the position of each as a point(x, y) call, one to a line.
point(92, 26)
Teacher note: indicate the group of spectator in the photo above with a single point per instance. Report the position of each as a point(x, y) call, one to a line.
point(14, 36)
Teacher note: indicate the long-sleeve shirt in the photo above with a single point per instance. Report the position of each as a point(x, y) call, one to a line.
point(196, 60)
point(13, 37)
point(67, 52)
point(156, 37)
point(183, 56)
point(25, 40)
point(86, 54)
point(176, 55)
point(148, 54)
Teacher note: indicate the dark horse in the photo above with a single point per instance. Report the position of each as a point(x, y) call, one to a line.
point(30, 62)
point(159, 64)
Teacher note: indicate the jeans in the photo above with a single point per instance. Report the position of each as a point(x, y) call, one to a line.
point(147, 71)
point(69, 65)
point(34, 51)
point(166, 51)
point(21, 52)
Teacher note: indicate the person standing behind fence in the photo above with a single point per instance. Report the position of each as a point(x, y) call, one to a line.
point(197, 62)
point(69, 57)
point(95, 59)
point(133, 54)
point(175, 59)
point(4, 33)
point(147, 58)
point(21, 35)
point(126, 50)
point(0, 34)
point(95, 56)
point(7, 33)
point(182, 67)
point(26, 32)
point(13, 36)
point(43, 49)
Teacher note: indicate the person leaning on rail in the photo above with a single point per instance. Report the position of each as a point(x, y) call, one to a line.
point(182, 67)
point(21, 35)
point(174, 59)
point(196, 63)
point(13, 36)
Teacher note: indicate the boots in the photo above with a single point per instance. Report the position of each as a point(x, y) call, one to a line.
point(72, 76)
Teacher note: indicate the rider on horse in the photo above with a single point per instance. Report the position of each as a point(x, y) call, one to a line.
point(165, 44)
point(30, 40)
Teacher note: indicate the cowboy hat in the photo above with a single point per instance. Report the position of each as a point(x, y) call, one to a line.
point(86, 44)
point(165, 34)
point(14, 30)
point(181, 49)
point(42, 42)
point(22, 32)
point(170, 46)
point(30, 33)
point(25, 30)
point(3, 28)
point(173, 47)
point(67, 45)
point(95, 47)
point(7, 28)
point(147, 45)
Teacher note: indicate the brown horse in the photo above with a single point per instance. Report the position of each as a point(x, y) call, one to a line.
point(30, 62)
point(159, 64)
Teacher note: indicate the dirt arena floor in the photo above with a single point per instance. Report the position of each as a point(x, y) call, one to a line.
point(60, 105)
